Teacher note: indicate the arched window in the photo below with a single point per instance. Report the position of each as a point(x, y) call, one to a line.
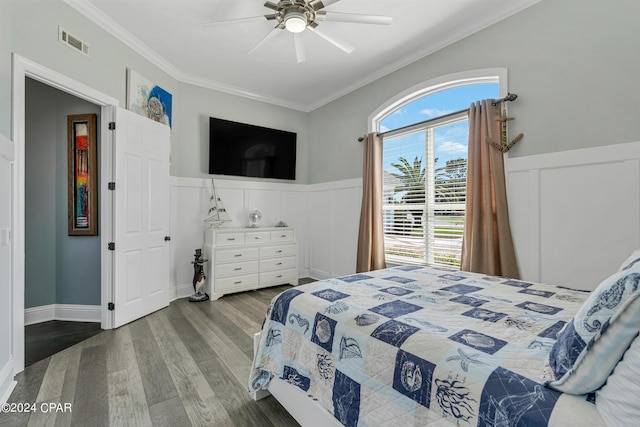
point(425, 136)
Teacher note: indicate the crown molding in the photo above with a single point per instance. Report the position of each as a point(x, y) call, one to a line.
point(113, 28)
point(234, 90)
point(117, 31)
point(103, 21)
point(463, 31)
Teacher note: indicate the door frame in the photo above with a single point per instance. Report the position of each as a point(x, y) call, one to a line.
point(23, 68)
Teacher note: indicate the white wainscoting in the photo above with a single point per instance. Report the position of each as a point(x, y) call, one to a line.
point(575, 215)
point(325, 217)
point(334, 216)
point(8, 317)
point(190, 201)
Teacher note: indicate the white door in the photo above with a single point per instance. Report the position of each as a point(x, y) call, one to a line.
point(141, 216)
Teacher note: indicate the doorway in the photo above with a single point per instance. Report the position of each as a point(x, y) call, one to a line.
point(23, 69)
point(151, 139)
point(62, 272)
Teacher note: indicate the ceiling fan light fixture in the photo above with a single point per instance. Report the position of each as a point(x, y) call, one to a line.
point(295, 22)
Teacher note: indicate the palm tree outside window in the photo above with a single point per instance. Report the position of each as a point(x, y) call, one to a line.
point(424, 178)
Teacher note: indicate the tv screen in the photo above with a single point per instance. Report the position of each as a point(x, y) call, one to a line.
point(247, 150)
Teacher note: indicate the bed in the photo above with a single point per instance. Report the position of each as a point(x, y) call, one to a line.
point(414, 345)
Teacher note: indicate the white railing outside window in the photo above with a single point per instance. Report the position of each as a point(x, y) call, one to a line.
point(424, 190)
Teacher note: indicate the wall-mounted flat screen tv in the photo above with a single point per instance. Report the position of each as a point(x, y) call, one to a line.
point(247, 150)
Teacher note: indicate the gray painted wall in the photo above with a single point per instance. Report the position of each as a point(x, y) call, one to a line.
point(574, 64)
point(5, 68)
point(34, 31)
point(60, 269)
point(194, 106)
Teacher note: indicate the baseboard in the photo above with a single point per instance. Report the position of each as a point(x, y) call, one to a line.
point(7, 383)
point(69, 312)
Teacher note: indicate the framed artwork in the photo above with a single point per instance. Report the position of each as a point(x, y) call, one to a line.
point(148, 99)
point(82, 187)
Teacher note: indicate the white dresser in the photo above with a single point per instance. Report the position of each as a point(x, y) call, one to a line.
point(242, 259)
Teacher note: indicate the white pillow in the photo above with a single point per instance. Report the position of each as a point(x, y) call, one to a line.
point(617, 401)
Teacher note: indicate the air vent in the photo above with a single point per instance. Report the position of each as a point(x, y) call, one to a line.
point(72, 41)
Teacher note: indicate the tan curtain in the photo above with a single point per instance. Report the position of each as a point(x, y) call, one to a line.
point(487, 245)
point(370, 254)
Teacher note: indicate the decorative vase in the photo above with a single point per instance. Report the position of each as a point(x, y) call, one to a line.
point(255, 216)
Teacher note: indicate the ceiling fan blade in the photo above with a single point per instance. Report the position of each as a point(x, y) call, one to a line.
point(344, 46)
point(353, 18)
point(300, 54)
point(271, 5)
point(319, 4)
point(268, 37)
point(232, 21)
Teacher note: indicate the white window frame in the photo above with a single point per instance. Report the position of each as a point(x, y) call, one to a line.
point(430, 206)
point(472, 77)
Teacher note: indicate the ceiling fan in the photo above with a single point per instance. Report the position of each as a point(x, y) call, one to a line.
point(297, 16)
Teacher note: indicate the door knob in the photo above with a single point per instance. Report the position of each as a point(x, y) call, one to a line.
point(167, 238)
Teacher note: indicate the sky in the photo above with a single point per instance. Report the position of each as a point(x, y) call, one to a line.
point(438, 104)
point(450, 140)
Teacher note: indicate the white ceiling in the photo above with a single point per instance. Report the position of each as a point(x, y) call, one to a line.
point(168, 32)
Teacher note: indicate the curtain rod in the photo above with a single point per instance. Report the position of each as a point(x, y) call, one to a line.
point(509, 97)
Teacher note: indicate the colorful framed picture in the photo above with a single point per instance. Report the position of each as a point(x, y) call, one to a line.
point(82, 175)
point(148, 99)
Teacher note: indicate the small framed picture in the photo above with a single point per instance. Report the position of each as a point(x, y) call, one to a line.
point(82, 175)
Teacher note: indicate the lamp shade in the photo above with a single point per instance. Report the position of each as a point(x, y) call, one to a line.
point(295, 22)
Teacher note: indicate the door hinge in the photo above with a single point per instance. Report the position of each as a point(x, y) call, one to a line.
point(111, 306)
point(111, 246)
point(112, 125)
point(111, 186)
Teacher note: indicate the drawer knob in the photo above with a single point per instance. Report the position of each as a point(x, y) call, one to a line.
point(231, 238)
point(237, 255)
point(278, 276)
point(283, 235)
point(279, 252)
point(279, 263)
point(237, 282)
point(238, 268)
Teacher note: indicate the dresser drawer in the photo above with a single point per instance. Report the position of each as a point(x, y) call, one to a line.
point(278, 263)
point(236, 255)
point(235, 268)
point(282, 236)
point(228, 239)
point(242, 259)
point(257, 237)
point(244, 282)
point(278, 251)
point(278, 276)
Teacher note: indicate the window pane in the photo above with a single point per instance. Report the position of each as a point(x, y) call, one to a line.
point(404, 196)
point(438, 104)
point(447, 200)
point(425, 177)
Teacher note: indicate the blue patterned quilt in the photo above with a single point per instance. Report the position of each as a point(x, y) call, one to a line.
point(414, 345)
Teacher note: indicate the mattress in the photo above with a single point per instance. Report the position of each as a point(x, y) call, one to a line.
point(415, 345)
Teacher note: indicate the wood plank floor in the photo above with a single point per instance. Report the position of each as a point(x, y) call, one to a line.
point(42, 340)
point(185, 365)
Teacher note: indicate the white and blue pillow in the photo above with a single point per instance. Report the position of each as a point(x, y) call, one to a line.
point(591, 344)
